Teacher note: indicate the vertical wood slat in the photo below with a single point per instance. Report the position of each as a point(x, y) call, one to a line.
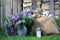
point(12, 6)
point(59, 8)
point(8, 7)
point(16, 6)
point(0, 13)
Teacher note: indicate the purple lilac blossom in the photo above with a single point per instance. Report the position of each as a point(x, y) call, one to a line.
point(17, 17)
point(29, 15)
point(23, 13)
point(26, 13)
point(14, 16)
point(23, 21)
point(18, 22)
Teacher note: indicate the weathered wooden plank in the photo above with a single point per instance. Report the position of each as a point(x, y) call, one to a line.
point(12, 6)
point(27, 4)
point(59, 8)
point(27, 0)
point(0, 13)
point(56, 7)
point(38, 3)
point(8, 7)
point(45, 6)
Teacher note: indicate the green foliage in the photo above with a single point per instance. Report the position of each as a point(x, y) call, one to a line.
point(20, 26)
point(58, 23)
point(28, 21)
point(5, 20)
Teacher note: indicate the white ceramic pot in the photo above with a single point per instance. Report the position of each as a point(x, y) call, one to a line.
point(38, 32)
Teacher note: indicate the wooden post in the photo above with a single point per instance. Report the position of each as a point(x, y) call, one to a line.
point(51, 6)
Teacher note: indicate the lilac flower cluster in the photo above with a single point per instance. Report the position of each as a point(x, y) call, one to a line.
point(18, 21)
point(27, 14)
point(16, 18)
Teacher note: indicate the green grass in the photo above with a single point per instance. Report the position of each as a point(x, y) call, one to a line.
point(46, 37)
point(51, 37)
point(58, 23)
